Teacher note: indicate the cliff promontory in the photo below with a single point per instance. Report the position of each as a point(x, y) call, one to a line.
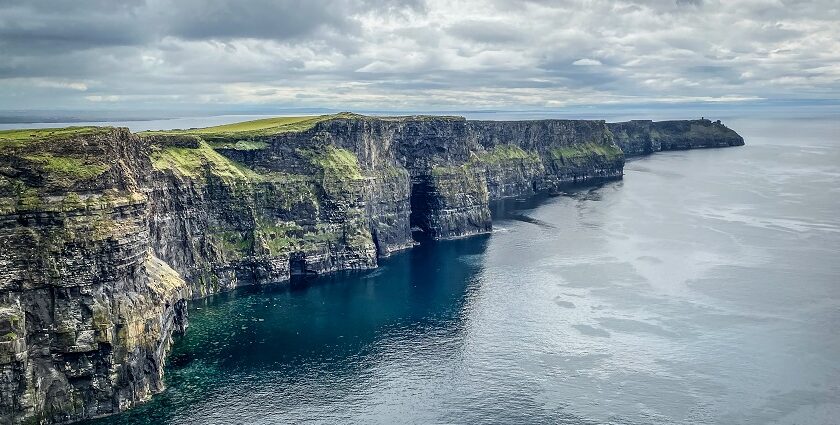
point(105, 234)
point(642, 137)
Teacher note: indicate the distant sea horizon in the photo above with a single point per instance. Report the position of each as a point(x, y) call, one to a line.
point(168, 120)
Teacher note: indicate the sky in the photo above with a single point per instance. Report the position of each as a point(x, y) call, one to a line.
point(414, 54)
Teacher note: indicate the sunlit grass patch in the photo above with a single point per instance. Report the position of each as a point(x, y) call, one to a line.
point(20, 137)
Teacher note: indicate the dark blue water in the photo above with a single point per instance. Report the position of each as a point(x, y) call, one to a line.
point(704, 288)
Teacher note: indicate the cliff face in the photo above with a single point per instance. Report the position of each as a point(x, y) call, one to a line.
point(105, 234)
point(86, 309)
point(338, 194)
point(646, 137)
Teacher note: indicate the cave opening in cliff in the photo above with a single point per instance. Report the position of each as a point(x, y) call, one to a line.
point(422, 201)
point(297, 264)
point(375, 236)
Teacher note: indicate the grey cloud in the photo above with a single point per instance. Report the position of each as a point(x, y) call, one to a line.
point(487, 31)
point(347, 53)
point(100, 23)
point(39, 26)
point(266, 19)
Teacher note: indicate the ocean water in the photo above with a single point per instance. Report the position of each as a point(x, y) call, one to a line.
point(703, 288)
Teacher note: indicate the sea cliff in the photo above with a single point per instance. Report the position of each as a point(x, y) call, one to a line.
point(105, 234)
point(642, 137)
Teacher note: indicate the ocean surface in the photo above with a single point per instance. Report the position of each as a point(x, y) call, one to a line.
point(704, 288)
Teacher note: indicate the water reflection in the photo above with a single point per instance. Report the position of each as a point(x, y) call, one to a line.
point(337, 329)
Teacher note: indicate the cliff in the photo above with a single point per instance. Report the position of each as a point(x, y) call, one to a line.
point(258, 205)
point(643, 137)
point(104, 234)
point(86, 309)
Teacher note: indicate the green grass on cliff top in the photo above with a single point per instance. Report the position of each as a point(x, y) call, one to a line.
point(263, 125)
point(229, 134)
point(215, 134)
point(27, 135)
point(255, 128)
point(41, 151)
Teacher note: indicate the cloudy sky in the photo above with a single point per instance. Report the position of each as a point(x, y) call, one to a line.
point(414, 54)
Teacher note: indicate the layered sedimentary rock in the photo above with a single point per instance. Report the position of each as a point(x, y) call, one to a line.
point(86, 309)
point(364, 183)
point(644, 137)
point(104, 234)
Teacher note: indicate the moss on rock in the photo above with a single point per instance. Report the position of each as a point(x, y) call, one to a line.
point(338, 171)
point(279, 237)
point(576, 152)
point(66, 169)
point(192, 162)
point(234, 244)
point(336, 163)
point(502, 153)
point(240, 145)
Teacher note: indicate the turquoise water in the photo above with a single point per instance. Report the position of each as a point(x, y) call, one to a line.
point(703, 288)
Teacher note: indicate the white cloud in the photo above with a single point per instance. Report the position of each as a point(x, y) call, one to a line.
point(58, 84)
point(97, 98)
point(587, 62)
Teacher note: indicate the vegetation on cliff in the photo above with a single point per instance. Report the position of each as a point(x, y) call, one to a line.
point(66, 168)
point(641, 137)
point(18, 138)
point(193, 162)
point(50, 157)
point(261, 215)
point(56, 169)
point(335, 163)
point(502, 153)
point(251, 135)
point(578, 151)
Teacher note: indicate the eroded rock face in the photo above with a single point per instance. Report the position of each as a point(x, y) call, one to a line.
point(104, 234)
point(86, 309)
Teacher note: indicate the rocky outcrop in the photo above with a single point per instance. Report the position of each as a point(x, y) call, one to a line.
point(104, 234)
point(645, 137)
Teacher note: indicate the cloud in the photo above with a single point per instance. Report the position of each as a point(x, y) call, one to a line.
point(98, 98)
point(351, 54)
point(587, 62)
point(492, 31)
point(70, 85)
